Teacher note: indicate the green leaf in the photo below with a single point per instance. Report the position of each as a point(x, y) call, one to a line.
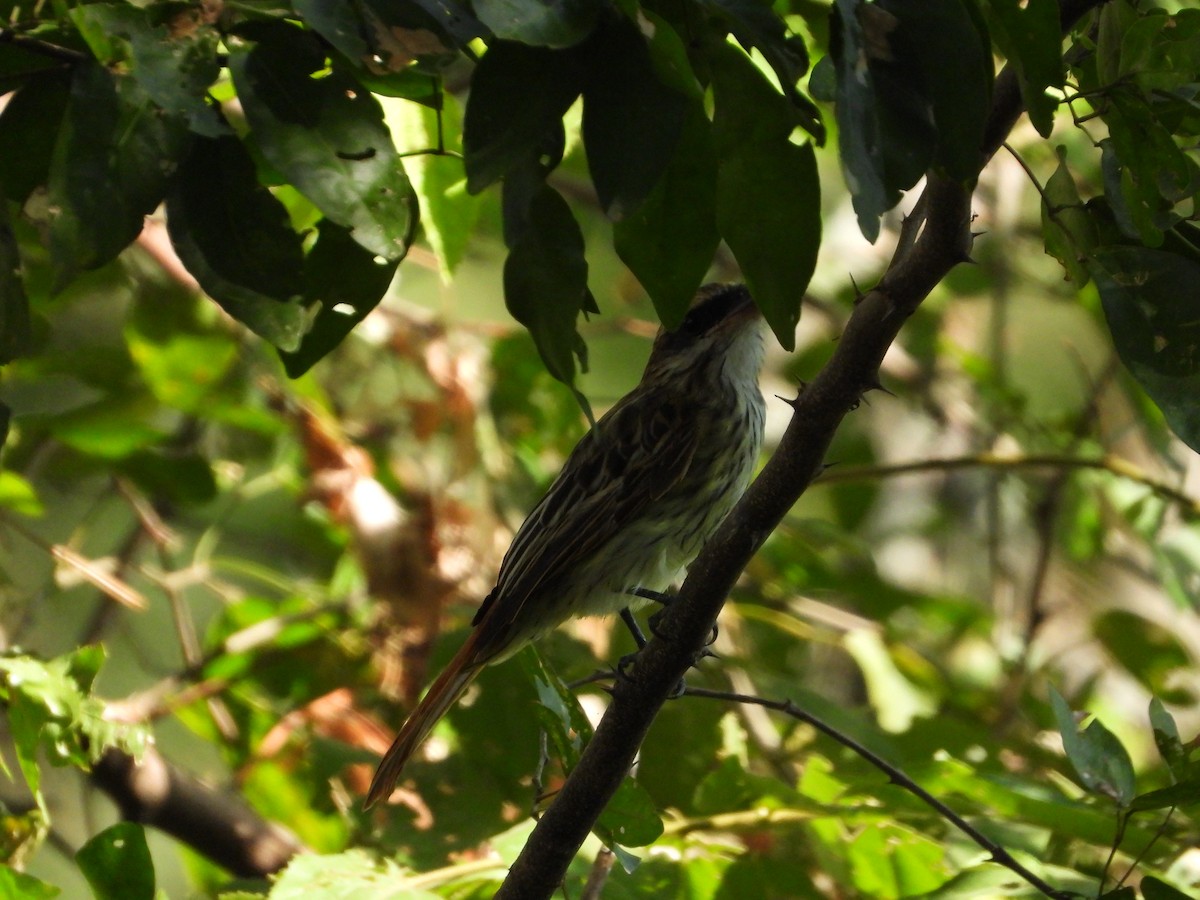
point(29, 127)
point(450, 210)
point(326, 135)
point(518, 96)
point(886, 135)
point(630, 818)
point(1029, 35)
point(18, 495)
point(1070, 232)
point(560, 23)
point(1166, 738)
point(234, 237)
point(1161, 52)
point(117, 863)
point(174, 66)
point(1184, 794)
point(768, 193)
point(110, 428)
point(631, 119)
point(343, 25)
point(348, 282)
point(669, 241)
point(1155, 173)
point(175, 477)
point(310, 876)
point(1156, 889)
point(940, 36)
point(1103, 764)
point(545, 281)
point(756, 24)
point(16, 885)
point(1147, 297)
point(181, 369)
point(19, 66)
point(110, 167)
point(14, 304)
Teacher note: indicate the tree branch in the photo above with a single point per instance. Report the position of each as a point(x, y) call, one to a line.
point(918, 266)
point(215, 824)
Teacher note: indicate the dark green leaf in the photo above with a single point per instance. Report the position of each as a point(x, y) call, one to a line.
point(348, 281)
point(936, 37)
point(756, 24)
point(669, 241)
point(1155, 889)
point(630, 818)
point(1161, 52)
point(886, 134)
point(28, 129)
point(110, 167)
point(518, 96)
point(559, 23)
point(117, 863)
point(180, 479)
point(768, 194)
point(14, 304)
point(1101, 761)
point(1155, 174)
point(1184, 794)
point(342, 25)
point(19, 66)
point(174, 66)
point(631, 119)
point(545, 281)
point(416, 25)
point(1166, 738)
point(1068, 228)
point(1029, 35)
point(326, 135)
point(234, 237)
point(1148, 298)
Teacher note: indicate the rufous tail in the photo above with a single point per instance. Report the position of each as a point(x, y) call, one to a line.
point(442, 694)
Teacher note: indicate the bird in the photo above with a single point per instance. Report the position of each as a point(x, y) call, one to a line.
point(633, 505)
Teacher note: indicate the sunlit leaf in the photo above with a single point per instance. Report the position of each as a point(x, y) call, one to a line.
point(326, 135)
point(1101, 761)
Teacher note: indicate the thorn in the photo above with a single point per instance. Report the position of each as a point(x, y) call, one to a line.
point(859, 296)
point(874, 384)
point(977, 234)
point(789, 402)
point(965, 257)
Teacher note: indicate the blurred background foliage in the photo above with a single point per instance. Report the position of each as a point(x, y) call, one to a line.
point(274, 566)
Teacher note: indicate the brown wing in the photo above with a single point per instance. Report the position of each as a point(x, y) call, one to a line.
point(633, 456)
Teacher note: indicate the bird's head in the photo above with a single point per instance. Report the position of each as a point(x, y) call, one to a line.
point(722, 328)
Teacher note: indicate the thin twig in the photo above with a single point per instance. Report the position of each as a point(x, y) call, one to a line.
point(598, 876)
point(897, 777)
point(42, 48)
point(1114, 465)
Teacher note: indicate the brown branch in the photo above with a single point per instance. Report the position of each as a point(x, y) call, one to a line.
point(943, 242)
point(217, 825)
